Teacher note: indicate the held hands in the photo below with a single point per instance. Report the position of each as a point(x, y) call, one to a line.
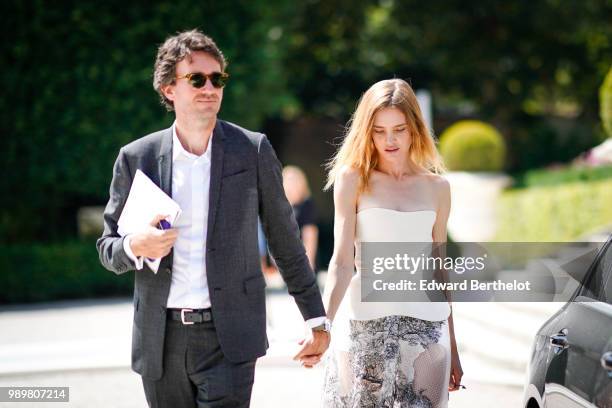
point(313, 348)
point(153, 243)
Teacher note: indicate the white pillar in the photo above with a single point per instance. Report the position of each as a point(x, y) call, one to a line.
point(424, 99)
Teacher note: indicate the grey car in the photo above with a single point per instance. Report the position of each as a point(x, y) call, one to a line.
point(571, 358)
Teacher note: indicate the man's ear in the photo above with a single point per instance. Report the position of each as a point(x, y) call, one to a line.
point(168, 91)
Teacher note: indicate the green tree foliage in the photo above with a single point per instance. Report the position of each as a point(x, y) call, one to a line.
point(540, 57)
point(512, 63)
point(326, 42)
point(77, 80)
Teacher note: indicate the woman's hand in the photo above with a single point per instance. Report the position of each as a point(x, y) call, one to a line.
point(456, 371)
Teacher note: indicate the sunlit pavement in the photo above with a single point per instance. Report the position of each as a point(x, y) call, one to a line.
point(86, 345)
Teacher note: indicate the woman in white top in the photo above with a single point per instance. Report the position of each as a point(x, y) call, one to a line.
point(387, 188)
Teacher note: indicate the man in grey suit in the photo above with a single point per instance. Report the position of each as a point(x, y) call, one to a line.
point(200, 321)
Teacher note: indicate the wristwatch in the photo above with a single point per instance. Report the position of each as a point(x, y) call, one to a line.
point(325, 326)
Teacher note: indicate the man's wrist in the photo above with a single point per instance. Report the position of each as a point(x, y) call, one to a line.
point(323, 327)
point(133, 248)
point(127, 247)
point(315, 321)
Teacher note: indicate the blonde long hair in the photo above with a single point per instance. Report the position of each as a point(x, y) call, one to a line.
point(357, 150)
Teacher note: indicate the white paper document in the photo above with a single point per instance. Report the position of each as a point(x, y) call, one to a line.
point(145, 201)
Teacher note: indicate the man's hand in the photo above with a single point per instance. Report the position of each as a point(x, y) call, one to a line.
point(313, 348)
point(153, 243)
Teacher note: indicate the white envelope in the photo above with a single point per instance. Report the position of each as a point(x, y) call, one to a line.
point(145, 201)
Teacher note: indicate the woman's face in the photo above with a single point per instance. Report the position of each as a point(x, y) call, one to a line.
point(390, 134)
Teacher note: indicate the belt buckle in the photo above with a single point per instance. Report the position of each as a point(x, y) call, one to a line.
point(183, 316)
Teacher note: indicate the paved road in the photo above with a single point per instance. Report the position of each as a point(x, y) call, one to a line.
point(275, 386)
point(85, 345)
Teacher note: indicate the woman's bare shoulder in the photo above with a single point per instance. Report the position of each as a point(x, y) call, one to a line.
point(439, 182)
point(348, 177)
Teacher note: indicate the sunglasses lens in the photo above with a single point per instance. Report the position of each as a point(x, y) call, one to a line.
point(197, 80)
point(218, 79)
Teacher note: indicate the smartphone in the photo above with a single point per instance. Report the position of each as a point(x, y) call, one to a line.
point(164, 225)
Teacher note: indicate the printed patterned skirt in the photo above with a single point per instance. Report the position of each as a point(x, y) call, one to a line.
point(391, 362)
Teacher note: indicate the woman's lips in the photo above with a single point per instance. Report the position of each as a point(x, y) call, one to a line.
point(392, 150)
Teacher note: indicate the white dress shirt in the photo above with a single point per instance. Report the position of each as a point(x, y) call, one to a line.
point(190, 189)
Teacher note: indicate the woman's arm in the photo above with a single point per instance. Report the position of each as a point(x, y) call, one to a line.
point(439, 233)
point(439, 236)
point(341, 265)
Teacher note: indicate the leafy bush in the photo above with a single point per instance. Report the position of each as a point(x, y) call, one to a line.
point(471, 145)
point(605, 103)
point(551, 177)
point(556, 213)
point(69, 270)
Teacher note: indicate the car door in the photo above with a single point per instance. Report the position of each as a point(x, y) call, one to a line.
point(603, 381)
point(575, 376)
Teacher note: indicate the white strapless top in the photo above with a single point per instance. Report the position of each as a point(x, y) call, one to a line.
point(386, 225)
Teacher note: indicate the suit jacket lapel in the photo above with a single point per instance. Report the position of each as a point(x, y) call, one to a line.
point(216, 168)
point(164, 162)
point(164, 166)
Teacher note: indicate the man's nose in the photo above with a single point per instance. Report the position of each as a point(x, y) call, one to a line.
point(208, 86)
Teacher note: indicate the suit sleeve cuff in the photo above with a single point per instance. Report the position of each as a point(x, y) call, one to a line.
point(315, 321)
point(138, 261)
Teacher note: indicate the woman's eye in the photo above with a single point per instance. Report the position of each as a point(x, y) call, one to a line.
point(400, 130)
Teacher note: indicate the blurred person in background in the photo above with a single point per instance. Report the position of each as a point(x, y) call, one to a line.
point(297, 191)
point(387, 188)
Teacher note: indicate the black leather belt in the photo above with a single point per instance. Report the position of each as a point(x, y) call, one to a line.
point(190, 316)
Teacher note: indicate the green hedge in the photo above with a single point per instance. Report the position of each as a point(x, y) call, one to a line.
point(70, 270)
point(554, 214)
point(548, 177)
point(605, 103)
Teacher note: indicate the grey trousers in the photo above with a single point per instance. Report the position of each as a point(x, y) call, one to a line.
point(197, 374)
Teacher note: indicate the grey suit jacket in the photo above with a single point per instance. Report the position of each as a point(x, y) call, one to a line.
point(246, 181)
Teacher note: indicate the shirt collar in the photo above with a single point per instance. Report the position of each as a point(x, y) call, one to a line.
point(179, 151)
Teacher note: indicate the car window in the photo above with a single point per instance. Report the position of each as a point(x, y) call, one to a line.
point(605, 266)
point(594, 287)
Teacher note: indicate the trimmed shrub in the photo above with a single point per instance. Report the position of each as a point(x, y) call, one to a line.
point(605, 103)
point(471, 145)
